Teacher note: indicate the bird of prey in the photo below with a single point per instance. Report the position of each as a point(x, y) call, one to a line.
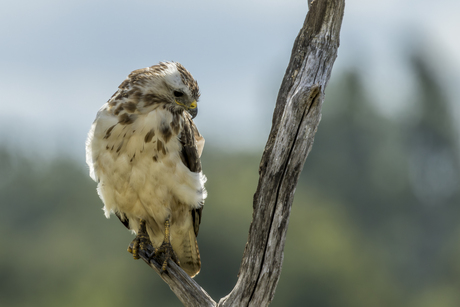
point(144, 151)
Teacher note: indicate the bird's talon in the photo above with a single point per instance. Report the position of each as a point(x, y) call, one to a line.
point(140, 242)
point(165, 252)
point(163, 268)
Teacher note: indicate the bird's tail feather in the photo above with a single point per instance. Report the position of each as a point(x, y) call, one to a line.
point(186, 248)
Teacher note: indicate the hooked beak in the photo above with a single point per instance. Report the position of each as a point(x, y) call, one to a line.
point(193, 112)
point(192, 109)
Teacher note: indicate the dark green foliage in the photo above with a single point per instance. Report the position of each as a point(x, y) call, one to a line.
point(375, 221)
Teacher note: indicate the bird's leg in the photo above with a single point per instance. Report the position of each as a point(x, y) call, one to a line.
point(166, 248)
point(141, 240)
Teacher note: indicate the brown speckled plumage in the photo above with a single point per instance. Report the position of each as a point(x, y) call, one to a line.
point(144, 151)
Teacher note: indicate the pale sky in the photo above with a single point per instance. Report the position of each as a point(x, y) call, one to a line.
point(62, 60)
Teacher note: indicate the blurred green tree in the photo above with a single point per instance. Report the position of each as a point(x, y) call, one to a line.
point(374, 223)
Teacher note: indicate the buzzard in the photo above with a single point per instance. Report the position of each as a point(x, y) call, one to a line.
point(144, 151)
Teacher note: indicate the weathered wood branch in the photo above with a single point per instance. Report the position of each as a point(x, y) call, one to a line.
point(295, 121)
point(186, 289)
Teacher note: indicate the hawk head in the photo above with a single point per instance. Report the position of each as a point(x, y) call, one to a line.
point(166, 82)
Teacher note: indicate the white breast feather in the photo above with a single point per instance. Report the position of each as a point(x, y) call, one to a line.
point(129, 179)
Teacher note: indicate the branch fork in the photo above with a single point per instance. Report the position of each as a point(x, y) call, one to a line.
point(295, 121)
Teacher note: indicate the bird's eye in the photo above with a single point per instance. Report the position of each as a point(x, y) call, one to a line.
point(178, 94)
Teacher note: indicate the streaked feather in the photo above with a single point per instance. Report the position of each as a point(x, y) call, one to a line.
point(144, 151)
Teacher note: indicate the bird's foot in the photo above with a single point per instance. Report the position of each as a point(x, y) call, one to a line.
point(167, 252)
point(140, 242)
point(166, 249)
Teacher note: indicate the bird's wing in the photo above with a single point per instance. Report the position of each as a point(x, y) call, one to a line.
point(122, 217)
point(192, 147)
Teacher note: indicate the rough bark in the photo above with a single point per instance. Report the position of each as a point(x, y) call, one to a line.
point(295, 121)
point(186, 289)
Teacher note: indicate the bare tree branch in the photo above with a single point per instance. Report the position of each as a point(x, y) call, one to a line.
point(186, 289)
point(295, 121)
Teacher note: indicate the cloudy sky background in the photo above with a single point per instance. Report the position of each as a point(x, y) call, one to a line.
point(61, 60)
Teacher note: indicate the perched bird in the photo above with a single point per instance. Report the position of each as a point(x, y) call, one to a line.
point(144, 151)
